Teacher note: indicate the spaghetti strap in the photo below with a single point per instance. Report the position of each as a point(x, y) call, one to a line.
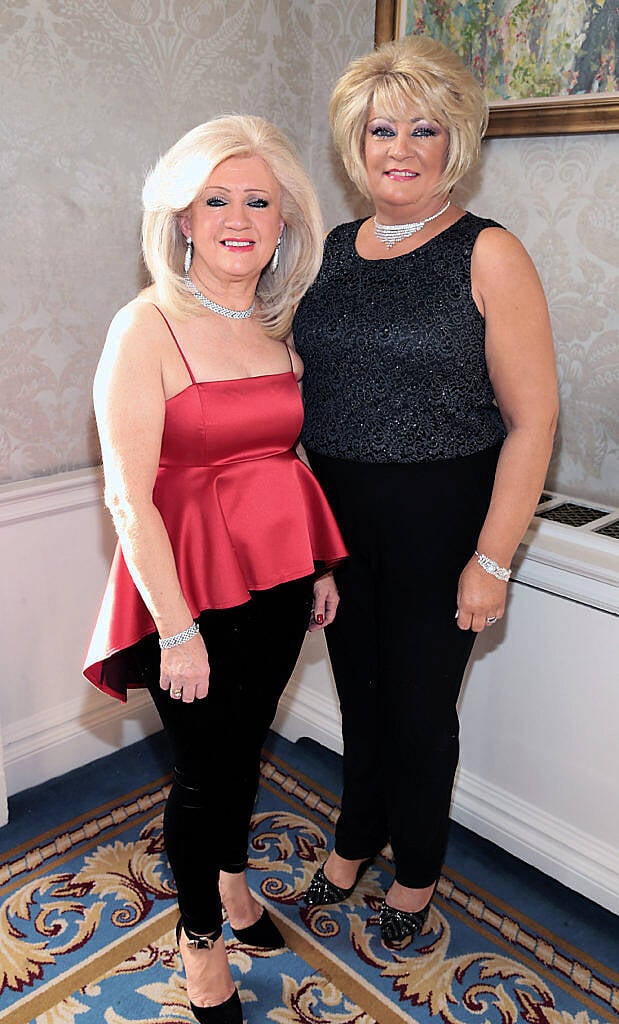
point(289, 351)
point(182, 354)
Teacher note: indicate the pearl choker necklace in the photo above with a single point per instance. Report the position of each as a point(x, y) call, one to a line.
point(232, 314)
point(392, 233)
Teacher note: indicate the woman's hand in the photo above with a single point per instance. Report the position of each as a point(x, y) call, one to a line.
point(185, 670)
point(480, 597)
point(326, 600)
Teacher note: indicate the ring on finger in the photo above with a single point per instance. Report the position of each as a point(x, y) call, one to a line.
point(491, 620)
point(176, 694)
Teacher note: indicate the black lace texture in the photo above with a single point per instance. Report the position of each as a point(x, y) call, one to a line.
point(395, 367)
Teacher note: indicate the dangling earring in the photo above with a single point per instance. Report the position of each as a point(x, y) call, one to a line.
point(188, 253)
point(275, 259)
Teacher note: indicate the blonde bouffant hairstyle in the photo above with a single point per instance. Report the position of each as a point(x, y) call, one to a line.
point(412, 71)
point(180, 177)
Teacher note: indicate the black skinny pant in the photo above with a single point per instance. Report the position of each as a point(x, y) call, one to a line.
point(397, 654)
point(216, 742)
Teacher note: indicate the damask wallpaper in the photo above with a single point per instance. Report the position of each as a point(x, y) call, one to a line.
point(93, 91)
point(559, 196)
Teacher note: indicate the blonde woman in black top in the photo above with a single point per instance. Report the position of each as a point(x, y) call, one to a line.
point(430, 408)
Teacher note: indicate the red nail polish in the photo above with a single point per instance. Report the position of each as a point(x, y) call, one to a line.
point(319, 619)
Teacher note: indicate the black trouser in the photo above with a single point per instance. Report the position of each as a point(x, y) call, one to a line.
point(397, 654)
point(216, 741)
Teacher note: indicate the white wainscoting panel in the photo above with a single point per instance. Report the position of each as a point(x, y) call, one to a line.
point(4, 806)
point(540, 758)
point(56, 544)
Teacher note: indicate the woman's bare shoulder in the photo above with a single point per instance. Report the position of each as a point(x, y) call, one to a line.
point(501, 261)
point(495, 242)
point(295, 358)
point(139, 316)
point(135, 340)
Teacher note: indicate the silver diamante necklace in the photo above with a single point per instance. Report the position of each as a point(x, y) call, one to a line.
point(392, 233)
point(232, 314)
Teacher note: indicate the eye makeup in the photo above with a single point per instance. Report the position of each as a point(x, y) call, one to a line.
point(386, 129)
point(256, 202)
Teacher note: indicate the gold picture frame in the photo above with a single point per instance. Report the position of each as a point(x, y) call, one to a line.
point(555, 115)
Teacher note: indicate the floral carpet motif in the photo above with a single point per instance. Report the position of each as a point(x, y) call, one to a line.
point(87, 916)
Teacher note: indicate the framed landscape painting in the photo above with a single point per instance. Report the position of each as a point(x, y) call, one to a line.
point(548, 67)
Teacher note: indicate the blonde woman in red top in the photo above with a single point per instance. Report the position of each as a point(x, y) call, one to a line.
point(225, 537)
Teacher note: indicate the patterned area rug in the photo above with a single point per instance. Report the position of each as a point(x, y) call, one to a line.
point(87, 919)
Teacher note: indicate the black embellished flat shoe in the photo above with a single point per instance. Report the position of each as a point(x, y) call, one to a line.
point(399, 927)
point(263, 933)
point(228, 1012)
point(321, 892)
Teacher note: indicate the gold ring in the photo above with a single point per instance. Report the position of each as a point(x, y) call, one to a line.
point(176, 693)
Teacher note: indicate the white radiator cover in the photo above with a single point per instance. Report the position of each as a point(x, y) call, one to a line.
point(540, 760)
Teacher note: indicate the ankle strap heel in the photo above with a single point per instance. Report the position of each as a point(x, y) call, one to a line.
point(206, 941)
point(228, 1012)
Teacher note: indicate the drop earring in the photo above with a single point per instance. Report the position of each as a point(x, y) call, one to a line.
point(275, 258)
point(188, 253)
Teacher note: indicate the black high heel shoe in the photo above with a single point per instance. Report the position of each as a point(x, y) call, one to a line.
point(228, 1012)
point(321, 892)
point(263, 933)
point(399, 927)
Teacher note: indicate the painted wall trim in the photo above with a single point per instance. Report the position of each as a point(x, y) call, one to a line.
point(4, 803)
point(573, 563)
point(569, 562)
point(302, 712)
point(74, 733)
point(573, 857)
point(43, 496)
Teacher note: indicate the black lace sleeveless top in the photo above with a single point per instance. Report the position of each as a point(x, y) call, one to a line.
point(395, 367)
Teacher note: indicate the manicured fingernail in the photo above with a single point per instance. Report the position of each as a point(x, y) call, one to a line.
point(319, 619)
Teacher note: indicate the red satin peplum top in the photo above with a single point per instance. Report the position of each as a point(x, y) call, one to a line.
point(242, 511)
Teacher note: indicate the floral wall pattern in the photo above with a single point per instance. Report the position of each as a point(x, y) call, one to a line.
point(92, 92)
point(559, 196)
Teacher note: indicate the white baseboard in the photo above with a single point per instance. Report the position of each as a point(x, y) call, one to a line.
point(567, 854)
point(570, 855)
point(301, 714)
point(48, 744)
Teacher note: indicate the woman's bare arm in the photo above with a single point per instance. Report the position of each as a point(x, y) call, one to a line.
point(130, 408)
point(520, 358)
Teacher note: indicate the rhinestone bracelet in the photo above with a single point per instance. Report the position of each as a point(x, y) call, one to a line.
point(492, 567)
point(179, 638)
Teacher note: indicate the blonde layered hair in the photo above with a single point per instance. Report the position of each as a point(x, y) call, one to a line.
point(413, 71)
point(180, 177)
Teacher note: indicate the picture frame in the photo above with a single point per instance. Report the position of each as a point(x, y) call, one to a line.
point(553, 115)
